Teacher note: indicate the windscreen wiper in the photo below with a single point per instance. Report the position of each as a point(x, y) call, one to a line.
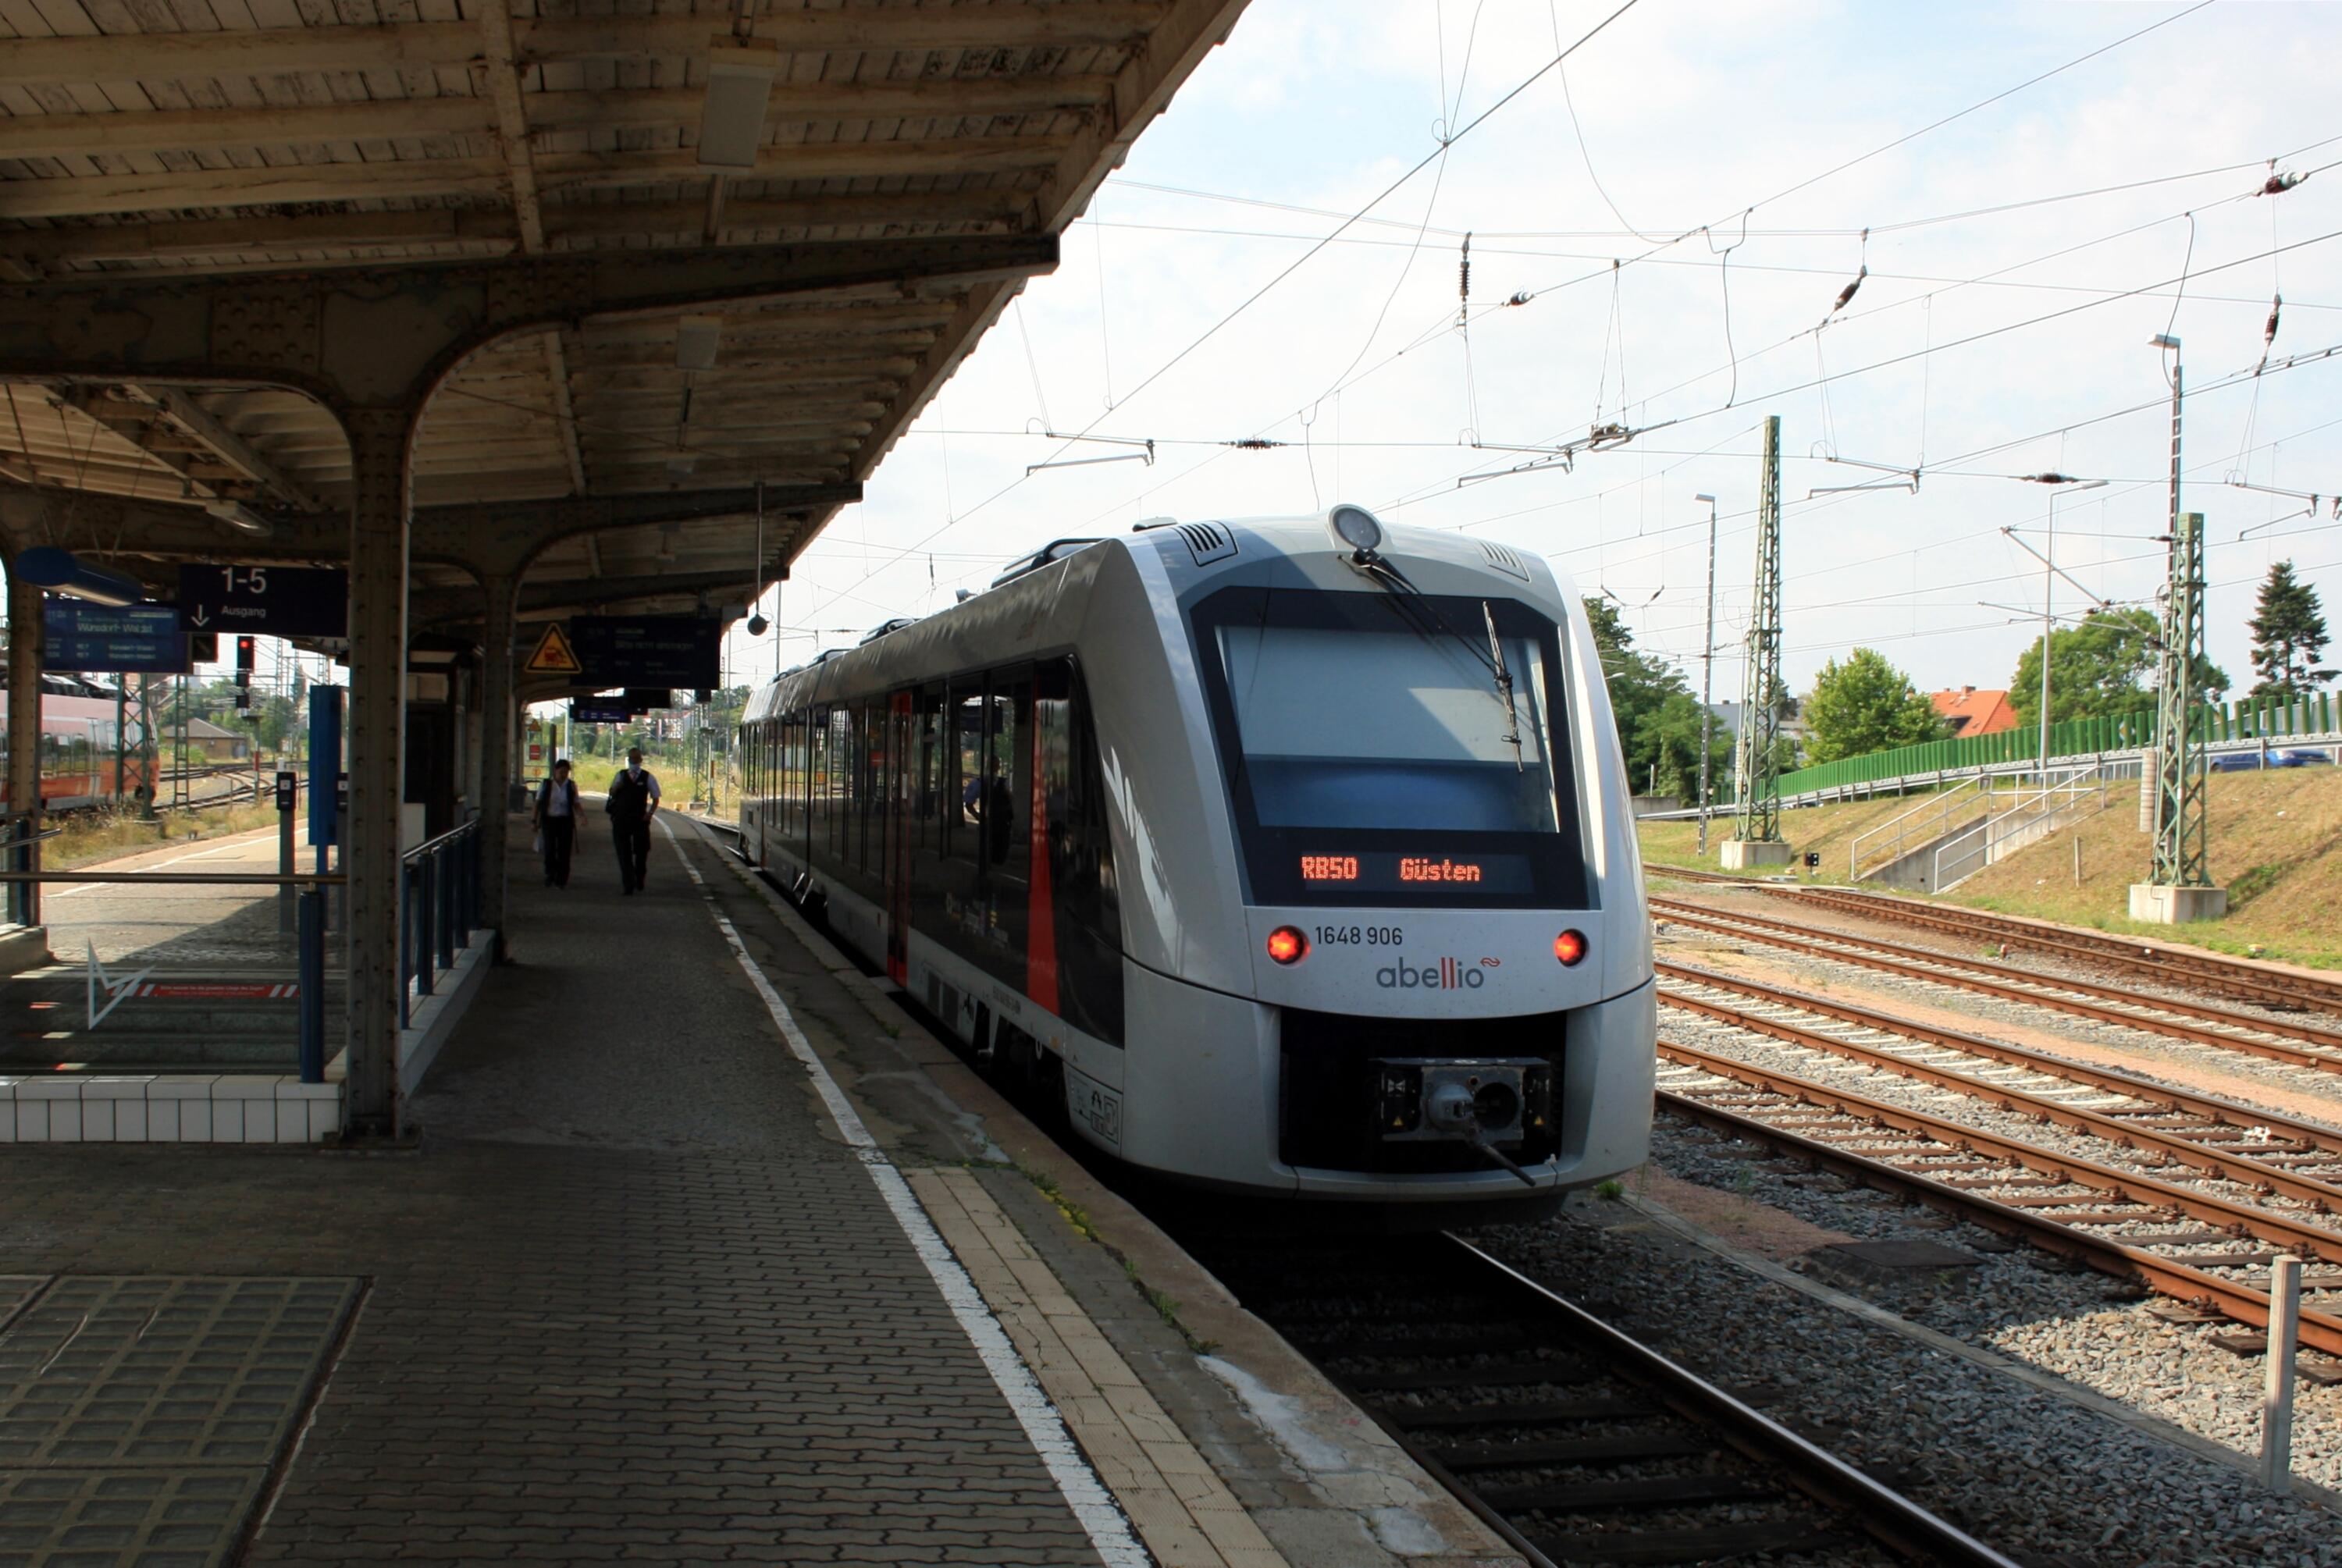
point(1505, 688)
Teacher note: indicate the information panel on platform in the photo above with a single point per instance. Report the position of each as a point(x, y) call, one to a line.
point(282, 601)
point(130, 639)
point(649, 650)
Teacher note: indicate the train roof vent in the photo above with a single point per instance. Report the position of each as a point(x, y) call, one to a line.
point(883, 627)
point(1208, 541)
point(1055, 550)
point(1506, 559)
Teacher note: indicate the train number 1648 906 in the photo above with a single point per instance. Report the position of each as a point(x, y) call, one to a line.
point(1368, 935)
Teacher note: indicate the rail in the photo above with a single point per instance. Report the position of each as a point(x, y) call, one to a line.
point(438, 909)
point(1544, 1420)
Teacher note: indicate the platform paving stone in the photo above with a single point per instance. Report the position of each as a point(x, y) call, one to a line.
point(634, 1303)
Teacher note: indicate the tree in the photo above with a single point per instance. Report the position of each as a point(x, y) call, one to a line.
point(1657, 717)
point(2103, 668)
point(2288, 630)
point(1865, 705)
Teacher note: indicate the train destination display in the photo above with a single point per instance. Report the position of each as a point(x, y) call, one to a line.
point(1390, 872)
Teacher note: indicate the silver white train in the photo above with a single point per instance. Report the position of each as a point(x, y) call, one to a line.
point(1299, 851)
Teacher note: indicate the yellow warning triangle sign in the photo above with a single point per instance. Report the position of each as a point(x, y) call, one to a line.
point(553, 656)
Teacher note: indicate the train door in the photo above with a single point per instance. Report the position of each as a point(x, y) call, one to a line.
point(899, 767)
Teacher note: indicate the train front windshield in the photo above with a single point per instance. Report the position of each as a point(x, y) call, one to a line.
point(1388, 749)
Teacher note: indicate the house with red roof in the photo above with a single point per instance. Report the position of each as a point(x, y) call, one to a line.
point(1970, 712)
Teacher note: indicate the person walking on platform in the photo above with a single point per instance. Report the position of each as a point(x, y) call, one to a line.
point(556, 822)
point(634, 800)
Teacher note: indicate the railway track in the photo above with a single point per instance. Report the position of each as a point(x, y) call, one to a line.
point(2295, 1043)
point(1576, 1441)
point(2179, 1240)
point(2232, 977)
point(2241, 1146)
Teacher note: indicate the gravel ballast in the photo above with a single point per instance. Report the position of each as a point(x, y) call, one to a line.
point(2026, 1470)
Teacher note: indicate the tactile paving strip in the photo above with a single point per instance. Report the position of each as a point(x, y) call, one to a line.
point(138, 1416)
point(173, 1371)
point(97, 1519)
point(16, 1289)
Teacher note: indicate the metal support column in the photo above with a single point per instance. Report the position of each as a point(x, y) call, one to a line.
point(1758, 769)
point(2180, 831)
point(26, 633)
point(496, 720)
point(377, 730)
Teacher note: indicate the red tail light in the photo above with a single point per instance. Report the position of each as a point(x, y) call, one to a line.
point(1569, 946)
point(1287, 945)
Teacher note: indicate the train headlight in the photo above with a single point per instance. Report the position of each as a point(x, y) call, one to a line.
point(1355, 526)
point(1569, 947)
point(1287, 945)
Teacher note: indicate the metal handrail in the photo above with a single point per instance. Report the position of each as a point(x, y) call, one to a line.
point(431, 844)
point(254, 879)
point(1940, 807)
point(438, 907)
point(1983, 843)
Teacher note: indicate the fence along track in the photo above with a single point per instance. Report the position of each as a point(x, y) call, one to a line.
point(1538, 1415)
point(1959, 1168)
point(2236, 977)
point(2194, 1130)
point(2155, 1015)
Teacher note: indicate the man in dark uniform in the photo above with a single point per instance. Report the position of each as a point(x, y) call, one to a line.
point(634, 798)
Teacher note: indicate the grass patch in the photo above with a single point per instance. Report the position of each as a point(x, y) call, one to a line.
point(89, 838)
point(1167, 1309)
point(1828, 831)
point(2276, 840)
point(2275, 844)
point(1166, 1306)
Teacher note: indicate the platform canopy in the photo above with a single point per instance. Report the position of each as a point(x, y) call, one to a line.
point(886, 177)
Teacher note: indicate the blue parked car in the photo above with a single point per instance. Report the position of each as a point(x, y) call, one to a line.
point(2251, 762)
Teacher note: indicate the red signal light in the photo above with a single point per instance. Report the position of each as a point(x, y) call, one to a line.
point(1569, 947)
point(1287, 945)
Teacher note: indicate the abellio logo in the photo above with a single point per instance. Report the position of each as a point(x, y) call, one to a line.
point(1442, 975)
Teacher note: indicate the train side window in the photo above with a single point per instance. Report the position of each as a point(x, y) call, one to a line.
point(962, 812)
point(818, 790)
point(928, 779)
point(1007, 795)
point(797, 762)
point(872, 848)
point(845, 727)
point(1088, 917)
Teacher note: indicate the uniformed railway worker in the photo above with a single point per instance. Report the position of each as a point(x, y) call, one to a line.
point(634, 800)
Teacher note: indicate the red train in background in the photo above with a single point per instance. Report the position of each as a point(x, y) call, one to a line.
point(77, 753)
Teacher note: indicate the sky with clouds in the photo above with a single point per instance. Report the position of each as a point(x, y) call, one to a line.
point(1659, 228)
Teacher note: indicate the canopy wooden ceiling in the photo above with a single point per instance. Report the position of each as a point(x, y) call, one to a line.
point(209, 139)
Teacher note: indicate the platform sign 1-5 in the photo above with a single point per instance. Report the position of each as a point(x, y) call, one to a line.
point(141, 639)
point(284, 600)
point(581, 712)
point(649, 650)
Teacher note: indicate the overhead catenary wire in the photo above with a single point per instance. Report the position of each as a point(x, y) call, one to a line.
point(1248, 301)
point(1320, 241)
point(1732, 358)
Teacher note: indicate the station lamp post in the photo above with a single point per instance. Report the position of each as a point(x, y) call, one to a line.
point(1708, 677)
point(2048, 618)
